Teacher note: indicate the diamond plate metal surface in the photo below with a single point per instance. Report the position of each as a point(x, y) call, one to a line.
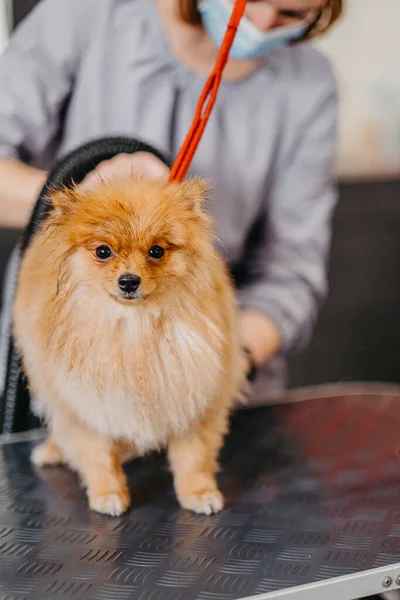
point(313, 491)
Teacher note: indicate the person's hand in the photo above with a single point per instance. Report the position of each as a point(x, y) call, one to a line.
point(260, 335)
point(245, 364)
point(141, 163)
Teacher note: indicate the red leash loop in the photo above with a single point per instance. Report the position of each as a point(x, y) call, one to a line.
point(207, 98)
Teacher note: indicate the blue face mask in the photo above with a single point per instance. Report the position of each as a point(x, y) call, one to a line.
point(250, 43)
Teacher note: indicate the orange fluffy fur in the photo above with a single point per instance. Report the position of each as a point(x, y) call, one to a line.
point(119, 377)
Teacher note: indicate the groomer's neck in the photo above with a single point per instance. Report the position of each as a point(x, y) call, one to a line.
point(194, 48)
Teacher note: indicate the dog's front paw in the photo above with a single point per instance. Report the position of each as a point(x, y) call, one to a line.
point(47, 454)
point(110, 503)
point(203, 501)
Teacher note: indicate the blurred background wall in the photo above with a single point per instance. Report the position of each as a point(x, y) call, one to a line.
point(365, 50)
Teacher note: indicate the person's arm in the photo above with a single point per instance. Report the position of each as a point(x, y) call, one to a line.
point(280, 305)
point(36, 75)
point(20, 186)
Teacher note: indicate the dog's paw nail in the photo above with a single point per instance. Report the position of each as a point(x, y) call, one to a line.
point(113, 503)
point(204, 502)
point(46, 454)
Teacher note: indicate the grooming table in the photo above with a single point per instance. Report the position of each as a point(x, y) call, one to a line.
point(313, 487)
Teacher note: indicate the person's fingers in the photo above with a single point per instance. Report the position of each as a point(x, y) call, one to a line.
point(150, 164)
point(140, 164)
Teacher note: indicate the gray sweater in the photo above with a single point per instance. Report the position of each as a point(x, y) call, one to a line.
point(80, 69)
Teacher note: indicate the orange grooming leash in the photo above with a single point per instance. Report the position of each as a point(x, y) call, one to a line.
point(207, 98)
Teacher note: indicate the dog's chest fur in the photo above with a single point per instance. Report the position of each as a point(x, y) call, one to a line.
point(137, 377)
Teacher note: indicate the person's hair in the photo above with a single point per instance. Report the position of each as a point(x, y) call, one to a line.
point(330, 13)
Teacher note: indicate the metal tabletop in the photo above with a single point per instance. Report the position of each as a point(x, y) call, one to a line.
point(313, 492)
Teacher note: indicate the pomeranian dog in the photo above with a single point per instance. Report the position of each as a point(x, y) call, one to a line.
point(125, 320)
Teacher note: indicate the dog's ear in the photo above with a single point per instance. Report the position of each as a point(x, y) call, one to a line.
point(195, 192)
point(64, 201)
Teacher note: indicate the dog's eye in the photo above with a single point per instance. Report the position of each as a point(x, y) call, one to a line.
point(103, 252)
point(156, 252)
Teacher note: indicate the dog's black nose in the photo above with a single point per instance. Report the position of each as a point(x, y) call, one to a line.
point(128, 283)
